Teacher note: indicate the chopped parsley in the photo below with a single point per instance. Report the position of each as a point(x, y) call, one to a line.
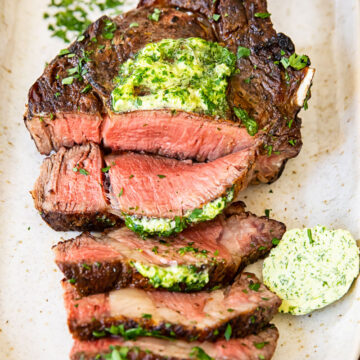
point(68, 19)
point(228, 332)
point(216, 17)
point(134, 24)
point(254, 286)
point(132, 333)
point(72, 281)
point(106, 169)
point(86, 266)
point(262, 15)
point(86, 89)
point(267, 212)
point(109, 29)
point(161, 176)
point(146, 316)
point(68, 80)
point(242, 52)
point(121, 192)
point(199, 354)
point(275, 241)
point(64, 52)
point(260, 345)
point(155, 16)
point(250, 123)
point(80, 170)
point(295, 61)
point(309, 234)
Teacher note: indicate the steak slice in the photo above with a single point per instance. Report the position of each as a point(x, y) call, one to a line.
point(269, 93)
point(69, 193)
point(182, 135)
point(251, 347)
point(158, 187)
point(62, 115)
point(245, 307)
point(219, 248)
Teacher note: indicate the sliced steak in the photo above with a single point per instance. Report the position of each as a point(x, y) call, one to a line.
point(69, 192)
point(180, 134)
point(268, 93)
point(245, 307)
point(62, 115)
point(251, 347)
point(220, 248)
point(158, 187)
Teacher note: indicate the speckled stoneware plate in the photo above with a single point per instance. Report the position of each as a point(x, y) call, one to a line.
point(320, 186)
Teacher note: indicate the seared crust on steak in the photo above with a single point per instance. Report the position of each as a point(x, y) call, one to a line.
point(251, 306)
point(102, 263)
point(69, 192)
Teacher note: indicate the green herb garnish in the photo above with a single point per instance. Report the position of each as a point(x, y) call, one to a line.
point(250, 123)
point(262, 15)
point(199, 354)
point(261, 344)
point(228, 332)
point(155, 16)
point(243, 52)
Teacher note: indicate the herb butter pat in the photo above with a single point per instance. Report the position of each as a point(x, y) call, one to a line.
point(311, 268)
point(165, 227)
point(170, 277)
point(184, 74)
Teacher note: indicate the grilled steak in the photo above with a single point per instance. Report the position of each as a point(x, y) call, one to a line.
point(251, 347)
point(219, 248)
point(63, 115)
point(71, 193)
point(158, 187)
point(244, 307)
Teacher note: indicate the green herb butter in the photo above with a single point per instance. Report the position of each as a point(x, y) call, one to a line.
point(170, 277)
point(184, 74)
point(165, 227)
point(311, 268)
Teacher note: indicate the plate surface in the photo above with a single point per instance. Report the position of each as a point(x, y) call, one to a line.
point(320, 186)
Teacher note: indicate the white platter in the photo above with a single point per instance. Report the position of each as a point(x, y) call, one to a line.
point(320, 186)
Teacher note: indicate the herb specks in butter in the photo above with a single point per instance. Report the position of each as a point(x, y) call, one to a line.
point(184, 74)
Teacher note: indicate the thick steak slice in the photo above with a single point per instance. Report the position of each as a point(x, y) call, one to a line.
point(69, 193)
point(158, 187)
point(62, 115)
point(180, 134)
point(245, 307)
point(221, 248)
point(251, 347)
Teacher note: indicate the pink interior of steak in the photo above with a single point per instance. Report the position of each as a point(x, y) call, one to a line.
point(71, 182)
point(161, 187)
point(201, 310)
point(232, 239)
point(174, 134)
point(246, 348)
